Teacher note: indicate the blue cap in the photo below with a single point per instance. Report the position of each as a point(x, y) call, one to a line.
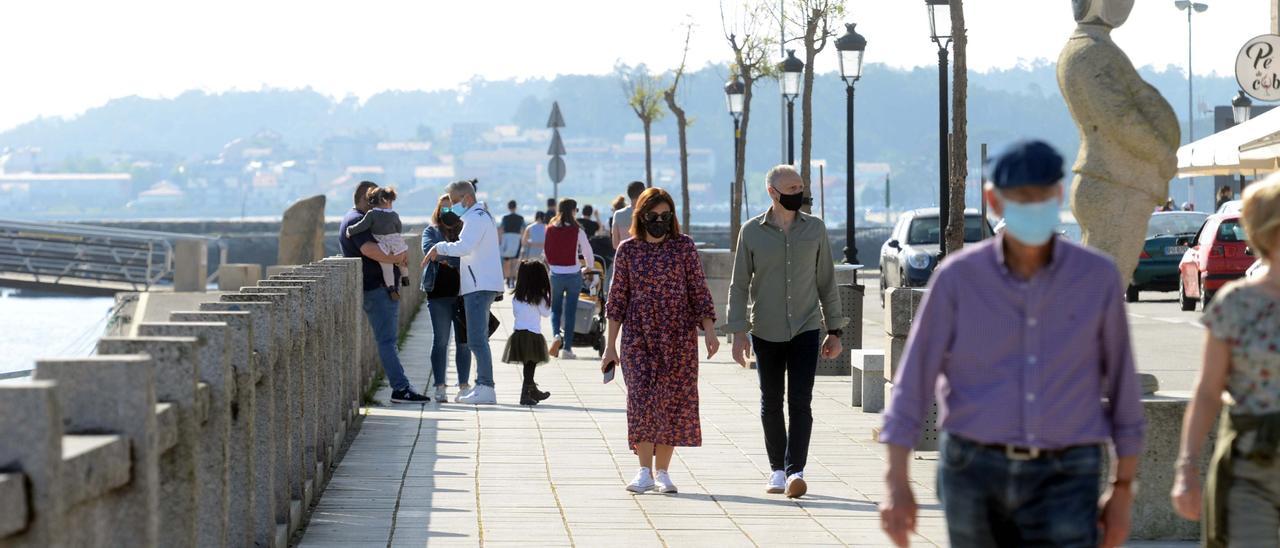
point(1026, 162)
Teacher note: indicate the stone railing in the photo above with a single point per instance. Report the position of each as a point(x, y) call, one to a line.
point(216, 427)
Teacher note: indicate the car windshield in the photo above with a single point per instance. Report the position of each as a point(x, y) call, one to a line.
point(1173, 224)
point(1230, 207)
point(1230, 231)
point(924, 230)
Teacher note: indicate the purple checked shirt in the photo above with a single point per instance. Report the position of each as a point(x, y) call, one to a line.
point(1039, 363)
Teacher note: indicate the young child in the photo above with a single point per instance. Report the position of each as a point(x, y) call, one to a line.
point(527, 346)
point(385, 225)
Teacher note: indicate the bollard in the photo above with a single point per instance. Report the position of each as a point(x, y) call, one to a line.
point(191, 265)
point(871, 364)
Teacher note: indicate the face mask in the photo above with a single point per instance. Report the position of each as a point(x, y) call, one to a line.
point(458, 209)
point(657, 229)
point(1032, 223)
point(792, 202)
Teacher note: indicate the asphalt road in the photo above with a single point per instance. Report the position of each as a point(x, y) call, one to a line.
point(1167, 342)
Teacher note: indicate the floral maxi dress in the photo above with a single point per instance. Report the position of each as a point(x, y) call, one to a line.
point(659, 294)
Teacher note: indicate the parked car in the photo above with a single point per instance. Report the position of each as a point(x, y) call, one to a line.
point(1158, 264)
point(910, 255)
point(1230, 207)
point(1216, 255)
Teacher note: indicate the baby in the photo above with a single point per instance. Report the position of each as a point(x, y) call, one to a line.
point(385, 225)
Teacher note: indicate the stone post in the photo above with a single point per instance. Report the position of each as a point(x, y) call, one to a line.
point(717, 266)
point(872, 373)
point(32, 430)
point(175, 361)
point(191, 265)
point(899, 314)
point(320, 343)
point(115, 394)
point(350, 337)
point(231, 277)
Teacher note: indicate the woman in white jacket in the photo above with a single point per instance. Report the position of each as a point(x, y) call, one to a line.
point(482, 282)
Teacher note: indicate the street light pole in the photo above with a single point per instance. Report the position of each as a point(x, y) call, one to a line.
point(734, 92)
point(851, 47)
point(1190, 7)
point(940, 11)
point(791, 69)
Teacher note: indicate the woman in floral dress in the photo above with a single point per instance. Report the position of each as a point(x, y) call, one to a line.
point(659, 295)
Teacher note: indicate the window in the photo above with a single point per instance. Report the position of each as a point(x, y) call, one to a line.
point(924, 230)
point(1230, 231)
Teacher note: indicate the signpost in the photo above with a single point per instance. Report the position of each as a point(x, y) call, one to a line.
point(555, 166)
point(1258, 68)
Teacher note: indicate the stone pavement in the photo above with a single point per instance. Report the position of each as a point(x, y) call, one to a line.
point(553, 475)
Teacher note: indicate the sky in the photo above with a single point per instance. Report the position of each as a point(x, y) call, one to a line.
point(65, 56)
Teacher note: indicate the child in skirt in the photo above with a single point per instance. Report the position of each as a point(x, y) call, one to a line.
point(527, 346)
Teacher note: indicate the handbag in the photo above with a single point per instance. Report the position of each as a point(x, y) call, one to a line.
point(460, 317)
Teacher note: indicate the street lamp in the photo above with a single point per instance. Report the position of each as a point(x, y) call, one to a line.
point(791, 69)
point(1241, 108)
point(734, 93)
point(940, 12)
point(1190, 7)
point(850, 47)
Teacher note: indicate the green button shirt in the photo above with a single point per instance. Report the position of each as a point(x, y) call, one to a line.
point(783, 278)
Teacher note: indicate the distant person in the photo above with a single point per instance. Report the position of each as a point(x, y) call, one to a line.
point(1224, 195)
point(441, 282)
point(658, 300)
point(382, 311)
point(550, 213)
point(622, 217)
point(512, 229)
point(530, 303)
point(617, 204)
point(569, 254)
point(1241, 361)
point(1034, 378)
point(534, 237)
point(481, 269)
point(589, 225)
point(1188, 206)
point(384, 224)
point(1168, 205)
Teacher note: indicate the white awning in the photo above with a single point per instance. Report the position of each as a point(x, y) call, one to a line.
point(1239, 149)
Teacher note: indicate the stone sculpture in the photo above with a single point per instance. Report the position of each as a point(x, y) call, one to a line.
point(1129, 135)
point(302, 232)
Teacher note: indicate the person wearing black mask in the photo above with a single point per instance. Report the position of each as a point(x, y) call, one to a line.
point(783, 293)
point(441, 282)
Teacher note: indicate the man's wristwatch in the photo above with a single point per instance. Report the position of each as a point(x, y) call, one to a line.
point(837, 333)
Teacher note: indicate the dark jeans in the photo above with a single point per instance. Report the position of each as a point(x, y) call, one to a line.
point(444, 321)
point(384, 318)
point(787, 367)
point(991, 500)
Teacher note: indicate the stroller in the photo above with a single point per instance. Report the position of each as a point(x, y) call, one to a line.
point(589, 325)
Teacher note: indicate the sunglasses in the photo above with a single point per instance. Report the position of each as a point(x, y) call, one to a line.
point(663, 217)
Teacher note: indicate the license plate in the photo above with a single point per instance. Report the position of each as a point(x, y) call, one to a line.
point(1175, 250)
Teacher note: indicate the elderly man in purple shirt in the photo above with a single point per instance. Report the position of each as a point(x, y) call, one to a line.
point(1024, 340)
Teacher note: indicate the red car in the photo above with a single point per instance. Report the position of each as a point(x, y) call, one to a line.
point(1217, 255)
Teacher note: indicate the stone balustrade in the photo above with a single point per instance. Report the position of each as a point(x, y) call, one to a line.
point(214, 427)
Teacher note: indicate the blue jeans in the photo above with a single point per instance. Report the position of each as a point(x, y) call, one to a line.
point(992, 500)
point(564, 305)
point(476, 306)
point(384, 318)
point(442, 324)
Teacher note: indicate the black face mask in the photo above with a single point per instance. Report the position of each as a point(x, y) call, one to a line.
point(792, 202)
point(657, 229)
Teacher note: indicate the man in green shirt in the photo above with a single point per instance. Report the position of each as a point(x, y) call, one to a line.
point(784, 292)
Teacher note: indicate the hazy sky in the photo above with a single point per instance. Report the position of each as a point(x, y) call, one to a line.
point(64, 56)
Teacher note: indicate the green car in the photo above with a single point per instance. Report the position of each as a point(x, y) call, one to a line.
point(1167, 237)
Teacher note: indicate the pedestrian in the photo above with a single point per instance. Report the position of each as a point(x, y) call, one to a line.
point(512, 229)
point(1168, 205)
point(535, 235)
point(480, 268)
point(1021, 353)
point(569, 254)
point(783, 292)
point(530, 303)
point(589, 221)
point(1224, 195)
point(551, 210)
point(382, 311)
point(622, 217)
point(441, 283)
point(617, 204)
point(660, 296)
point(384, 224)
point(1242, 358)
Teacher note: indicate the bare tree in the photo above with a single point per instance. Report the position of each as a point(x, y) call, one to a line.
point(750, 45)
point(682, 123)
point(959, 130)
point(644, 95)
point(815, 20)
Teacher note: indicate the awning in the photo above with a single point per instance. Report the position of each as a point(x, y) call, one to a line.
point(1249, 148)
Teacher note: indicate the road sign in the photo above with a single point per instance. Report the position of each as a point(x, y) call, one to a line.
point(556, 169)
point(557, 146)
point(556, 120)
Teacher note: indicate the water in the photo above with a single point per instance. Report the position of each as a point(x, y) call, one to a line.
point(46, 326)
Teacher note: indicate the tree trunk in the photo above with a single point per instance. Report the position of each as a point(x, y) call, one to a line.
point(806, 104)
point(681, 126)
point(648, 156)
point(740, 167)
point(959, 129)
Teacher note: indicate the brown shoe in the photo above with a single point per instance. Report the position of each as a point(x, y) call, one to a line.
point(796, 487)
point(395, 295)
point(555, 347)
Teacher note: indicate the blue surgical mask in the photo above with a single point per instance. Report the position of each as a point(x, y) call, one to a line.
point(458, 209)
point(1033, 223)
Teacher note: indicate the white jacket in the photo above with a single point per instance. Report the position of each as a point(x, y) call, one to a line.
point(477, 247)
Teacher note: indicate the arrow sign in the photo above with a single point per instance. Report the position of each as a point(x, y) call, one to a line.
point(556, 120)
point(556, 169)
point(557, 146)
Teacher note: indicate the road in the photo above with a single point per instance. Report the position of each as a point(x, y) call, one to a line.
point(1167, 342)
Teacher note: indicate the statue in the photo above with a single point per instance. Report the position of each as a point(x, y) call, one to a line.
point(1129, 135)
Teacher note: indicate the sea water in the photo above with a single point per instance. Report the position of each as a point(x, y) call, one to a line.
point(44, 325)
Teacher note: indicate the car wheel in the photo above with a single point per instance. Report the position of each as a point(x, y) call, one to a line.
point(1131, 294)
point(1205, 297)
point(1188, 304)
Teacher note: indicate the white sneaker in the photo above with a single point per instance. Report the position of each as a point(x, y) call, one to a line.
point(777, 482)
point(664, 483)
point(567, 355)
point(643, 482)
point(480, 395)
point(796, 487)
point(463, 389)
point(441, 396)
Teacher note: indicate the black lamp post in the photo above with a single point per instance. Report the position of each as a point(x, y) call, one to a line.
point(940, 11)
point(1241, 108)
point(791, 69)
point(734, 91)
point(850, 46)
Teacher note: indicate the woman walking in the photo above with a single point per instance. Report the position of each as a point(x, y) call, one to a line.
point(527, 347)
point(441, 283)
point(659, 294)
point(565, 242)
point(534, 237)
point(1242, 357)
